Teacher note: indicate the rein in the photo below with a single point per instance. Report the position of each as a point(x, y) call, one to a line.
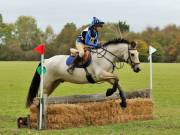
point(120, 60)
point(104, 51)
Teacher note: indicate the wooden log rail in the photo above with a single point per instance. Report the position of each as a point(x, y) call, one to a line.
point(96, 97)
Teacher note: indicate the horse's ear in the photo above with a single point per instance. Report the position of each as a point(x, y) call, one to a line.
point(133, 44)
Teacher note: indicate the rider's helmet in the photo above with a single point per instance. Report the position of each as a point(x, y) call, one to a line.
point(96, 22)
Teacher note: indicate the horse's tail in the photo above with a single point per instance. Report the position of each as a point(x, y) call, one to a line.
point(33, 89)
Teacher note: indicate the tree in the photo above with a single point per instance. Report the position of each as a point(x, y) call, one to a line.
point(1, 19)
point(18, 39)
point(11, 52)
point(107, 33)
point(6, 33)
point(49, 34)
point(28, 33)
point(121, 28)
point(66, 39)
point(142, 48)
point(134, 36)
point(158, 55)
point(173, 51)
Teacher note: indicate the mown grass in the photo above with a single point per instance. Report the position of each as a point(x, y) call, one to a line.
point(15, 78)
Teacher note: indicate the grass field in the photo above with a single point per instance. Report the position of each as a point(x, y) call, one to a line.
point(15, 78)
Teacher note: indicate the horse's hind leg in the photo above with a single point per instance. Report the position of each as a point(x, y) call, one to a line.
point(51, 87)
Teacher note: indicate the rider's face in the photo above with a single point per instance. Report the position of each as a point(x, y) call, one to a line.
point(98, 28)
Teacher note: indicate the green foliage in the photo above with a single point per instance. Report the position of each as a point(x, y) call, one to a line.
point(158, 55)
point(165, 40)
point(123, 26)
point(25, 35)
point(108, 32)
point(49, 35)
point(28, 33)
point(114, 30)
point(1, 19)
point(66, 39)
point(143, 50)
point(6, 33)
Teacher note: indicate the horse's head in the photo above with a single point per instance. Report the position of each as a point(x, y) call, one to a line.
point(132, 57)
point(125, 51)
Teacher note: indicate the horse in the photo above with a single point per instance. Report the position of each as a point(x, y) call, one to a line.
point(101, 69)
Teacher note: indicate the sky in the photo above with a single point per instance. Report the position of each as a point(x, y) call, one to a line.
point(139, 14)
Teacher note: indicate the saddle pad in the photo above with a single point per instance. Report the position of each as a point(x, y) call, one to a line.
point(70, 60)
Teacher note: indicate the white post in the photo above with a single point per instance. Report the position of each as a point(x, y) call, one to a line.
point(150, 68)
point(151, 51)
point(41, 92)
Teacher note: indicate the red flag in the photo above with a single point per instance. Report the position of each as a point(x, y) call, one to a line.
point(40, 49)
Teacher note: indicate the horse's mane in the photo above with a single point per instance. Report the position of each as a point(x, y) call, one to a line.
point(116, 41)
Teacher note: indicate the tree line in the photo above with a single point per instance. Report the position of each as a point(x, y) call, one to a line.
point(18, 39)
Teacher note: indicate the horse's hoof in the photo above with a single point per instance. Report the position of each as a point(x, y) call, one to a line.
point(109, 92)
point(123, 104)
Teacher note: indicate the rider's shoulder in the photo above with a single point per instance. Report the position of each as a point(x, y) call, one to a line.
point(91, 31)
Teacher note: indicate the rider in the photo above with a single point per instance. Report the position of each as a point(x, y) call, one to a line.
point(88, 37)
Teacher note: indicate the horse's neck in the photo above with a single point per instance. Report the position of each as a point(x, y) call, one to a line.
point(106, 61)
point(118, 50)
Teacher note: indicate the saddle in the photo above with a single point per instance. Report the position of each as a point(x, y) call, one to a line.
point(83, 63)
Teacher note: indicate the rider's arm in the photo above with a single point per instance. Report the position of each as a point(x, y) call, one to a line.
point(88, 40)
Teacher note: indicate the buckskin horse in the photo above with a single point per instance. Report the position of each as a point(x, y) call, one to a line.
point(99, 69)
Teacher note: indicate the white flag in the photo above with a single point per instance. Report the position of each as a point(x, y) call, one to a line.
point(152, 50)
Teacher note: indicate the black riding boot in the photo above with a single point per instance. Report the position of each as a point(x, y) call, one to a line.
point(73, 65)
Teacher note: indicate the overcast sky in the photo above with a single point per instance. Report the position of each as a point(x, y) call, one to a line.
point(138, 13)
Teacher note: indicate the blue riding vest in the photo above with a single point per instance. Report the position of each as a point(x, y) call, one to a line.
point(88, 37)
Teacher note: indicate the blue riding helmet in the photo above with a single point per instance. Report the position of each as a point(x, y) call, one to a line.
point(97, 22)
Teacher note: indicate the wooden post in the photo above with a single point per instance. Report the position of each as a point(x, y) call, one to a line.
point(44, 112)
point(38, 114)
point(28, 121)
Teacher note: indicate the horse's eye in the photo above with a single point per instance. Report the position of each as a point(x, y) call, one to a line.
point(132, 54)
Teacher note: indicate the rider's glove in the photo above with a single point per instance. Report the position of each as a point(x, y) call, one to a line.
point(97, 46)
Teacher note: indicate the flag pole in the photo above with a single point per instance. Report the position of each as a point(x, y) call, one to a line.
point(40, 49)
point(41, 92)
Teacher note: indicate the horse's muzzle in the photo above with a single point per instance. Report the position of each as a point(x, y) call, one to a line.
point(136, 68)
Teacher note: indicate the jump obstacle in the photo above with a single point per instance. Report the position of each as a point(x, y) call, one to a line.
point(95, 109)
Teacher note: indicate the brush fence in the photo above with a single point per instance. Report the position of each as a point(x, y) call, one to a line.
point(95, 109)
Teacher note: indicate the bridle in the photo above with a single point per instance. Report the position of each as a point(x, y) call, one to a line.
point(129, 59)
point(120, 60)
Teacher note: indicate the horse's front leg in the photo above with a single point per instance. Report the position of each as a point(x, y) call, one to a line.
point(110, 91)
point(112, 79)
